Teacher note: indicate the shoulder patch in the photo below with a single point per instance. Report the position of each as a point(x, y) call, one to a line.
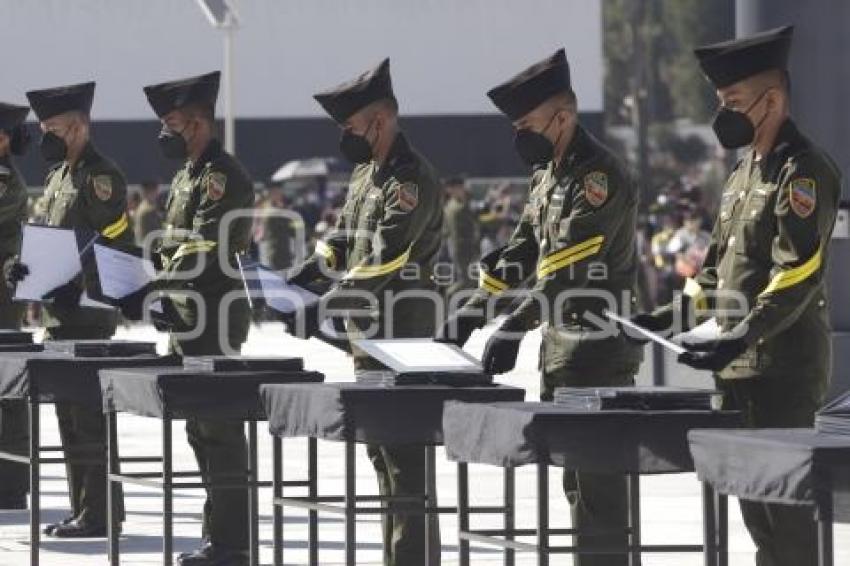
point(102, 186)
point(596, 188)
point(803, 196)
point(408, 196)
point(215, 184)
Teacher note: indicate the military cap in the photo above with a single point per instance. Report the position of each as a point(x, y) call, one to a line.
point(346, 99)
point(172, 95)
point(51, 102)
point(728, 62)
point(521, 94)
point(12, 116)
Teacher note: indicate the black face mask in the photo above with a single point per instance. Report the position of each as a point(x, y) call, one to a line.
point(734, 128)
point(53, 148)
point(533, 147)
point(19, 140)
point(172, 144)
point(355, 147)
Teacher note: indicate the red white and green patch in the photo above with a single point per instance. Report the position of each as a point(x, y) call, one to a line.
point(803, 196)
point(215, 185)
point(596, 188)
point(102, 187)
point(408, 196)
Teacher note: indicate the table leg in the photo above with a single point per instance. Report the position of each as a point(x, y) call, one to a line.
point(430, 501)
point(825, 534)
point(350, 503)
point(277, 492)
point(509, 502)
point(35, 476)
point(722, 506)
point(709, 525)
point(253, 498)
point(313, 493)
point(111, 488)
point(167, 492)
point(463, 511)
point(634, 537)
point(542, 514)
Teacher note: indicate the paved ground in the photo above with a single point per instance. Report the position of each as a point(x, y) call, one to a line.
point(671, 504)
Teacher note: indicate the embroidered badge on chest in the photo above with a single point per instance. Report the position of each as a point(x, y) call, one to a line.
point(803, 197)
point(408, 196)
point(596, 188)
point(102, 186)
point(215, 184)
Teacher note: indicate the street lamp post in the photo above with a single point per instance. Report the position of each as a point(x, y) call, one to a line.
point(222, 15)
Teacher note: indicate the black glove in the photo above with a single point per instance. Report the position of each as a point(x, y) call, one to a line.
point(131, 305)
point(65, 296)
point(502, 348)
point(458, 328)
point(303, 322)
point(14, 272)
point(715, 354)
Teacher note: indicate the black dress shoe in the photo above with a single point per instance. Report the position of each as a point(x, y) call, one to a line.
point(48, 530)
point(13, 502)
point(80, 529)
point(211, 555)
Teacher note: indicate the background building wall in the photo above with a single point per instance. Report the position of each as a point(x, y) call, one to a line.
point(445, 55)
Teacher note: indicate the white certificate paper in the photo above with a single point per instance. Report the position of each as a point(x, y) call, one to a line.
point(53, 259)
point(280, 295)
point(121, 273)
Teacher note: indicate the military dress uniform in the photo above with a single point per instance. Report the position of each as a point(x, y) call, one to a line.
point(764, 279)
point(14, 431)
point(202, 194)
point(385, 243)
point(575, 247)
point(461, 238)
point(92, 196)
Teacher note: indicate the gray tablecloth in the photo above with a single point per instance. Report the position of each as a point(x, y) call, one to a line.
point(368, 413)
point(63, 378)
point(514, 434)
point(182, 393)
point(792, 466)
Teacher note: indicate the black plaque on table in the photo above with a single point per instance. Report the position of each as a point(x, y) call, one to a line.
point(635, 398)
point(227, 363)
point(100, 348)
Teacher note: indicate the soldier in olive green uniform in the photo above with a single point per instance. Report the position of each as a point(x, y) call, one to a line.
point(460, 232)
point(83, 190)
point(575, 248)
point(385, 243)
point(764, 275)
point(14, 437)
point(211, 184)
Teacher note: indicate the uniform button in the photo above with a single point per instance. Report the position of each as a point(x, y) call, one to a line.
point(741, 194)
point(753, 213)
point(760, 341)
point(574, 316)
point(821, 303)
point(720, 283)
point(731, 241)
point(634, 299)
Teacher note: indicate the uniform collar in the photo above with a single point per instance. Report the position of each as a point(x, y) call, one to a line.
point(212, 151)
point(87, 157)
point(787, 140)
point(577, 151)
point(399, 154)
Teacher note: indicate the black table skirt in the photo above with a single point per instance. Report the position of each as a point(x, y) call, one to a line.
point(791, 466)
point(63, 378)
point(515, 434)
point(368, 413)
point(181, 393)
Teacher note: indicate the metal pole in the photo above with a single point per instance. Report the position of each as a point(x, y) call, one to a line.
point(167, 493)
point(313, 493)
point(111, 487)
point(634, 537)
point(542, 514)
point(229, 121)
point(350, 502)
point(709, 524)
point(253, 495)
point(35, 476)
point(277, 493)
point(463, 511)
point(510, 502)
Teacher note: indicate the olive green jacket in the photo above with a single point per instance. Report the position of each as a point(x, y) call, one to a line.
point(92, 196)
